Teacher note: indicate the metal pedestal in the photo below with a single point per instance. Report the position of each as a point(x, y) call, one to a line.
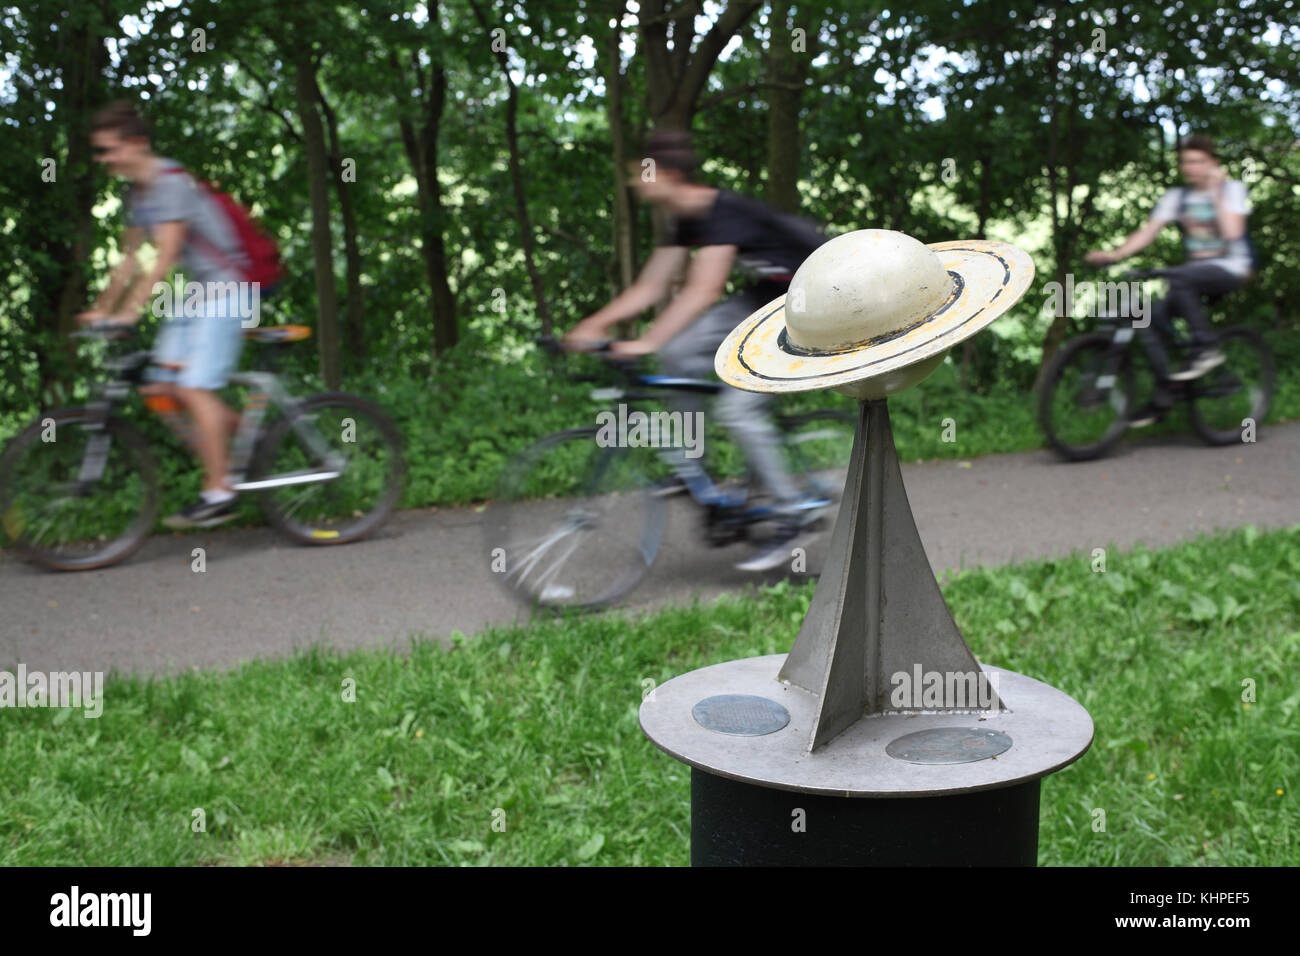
point(832, 754)
point(739, 824)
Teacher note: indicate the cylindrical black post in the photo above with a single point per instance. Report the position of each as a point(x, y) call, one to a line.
point(741, 824)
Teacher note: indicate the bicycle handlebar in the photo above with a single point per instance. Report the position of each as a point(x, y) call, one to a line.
point(1137, 274)
point(554, 346)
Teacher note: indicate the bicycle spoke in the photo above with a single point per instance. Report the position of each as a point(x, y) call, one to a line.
point(576, 553)
point(545, 543)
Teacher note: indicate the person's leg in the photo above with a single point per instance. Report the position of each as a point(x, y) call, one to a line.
point(1154, 335)
point(212, 431)
point(1187, 284)
point(160, 391)
point(690, 354)
point(747, 418)
point(218, 341)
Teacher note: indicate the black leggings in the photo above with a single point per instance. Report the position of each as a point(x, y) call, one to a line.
point(1187, 284)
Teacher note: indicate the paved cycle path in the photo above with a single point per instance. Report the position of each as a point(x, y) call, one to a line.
point(427, 572)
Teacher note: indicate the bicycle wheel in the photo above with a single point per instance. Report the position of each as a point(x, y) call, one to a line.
point(61, 522)
point(331, 432)
point(1086, 396)
point(1239, 389)
point(573, 524)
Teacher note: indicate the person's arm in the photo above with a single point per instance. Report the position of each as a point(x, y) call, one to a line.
point(1135, 243)
point(648, 288)
point(119, 279)
point(704, 285)
point(1232, 224)
point(169, 237)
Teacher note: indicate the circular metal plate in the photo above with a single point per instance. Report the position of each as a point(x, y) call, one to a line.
point(949, 745)
point(743, 715)
point(1051, 730)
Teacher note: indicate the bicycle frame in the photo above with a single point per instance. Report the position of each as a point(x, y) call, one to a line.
point(265, 387)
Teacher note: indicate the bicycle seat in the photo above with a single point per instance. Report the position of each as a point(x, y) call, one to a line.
point(278, 334)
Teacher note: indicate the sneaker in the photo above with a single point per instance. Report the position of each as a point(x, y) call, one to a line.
point(201, 514)
point(1206, 360)
point(775, 552)
point(1148, 414)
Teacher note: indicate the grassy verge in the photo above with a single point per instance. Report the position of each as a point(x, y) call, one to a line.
point(536, 728)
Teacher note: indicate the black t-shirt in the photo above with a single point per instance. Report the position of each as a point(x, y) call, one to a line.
point(765, 255)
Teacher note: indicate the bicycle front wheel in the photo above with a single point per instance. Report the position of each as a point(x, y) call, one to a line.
point(1238, 393)
point(1087, 392)
point(75, 495)
point(338, 463)
point(574, 524)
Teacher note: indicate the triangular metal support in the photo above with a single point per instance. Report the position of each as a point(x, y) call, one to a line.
point(878, 625)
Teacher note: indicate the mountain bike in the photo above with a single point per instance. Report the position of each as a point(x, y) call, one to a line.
point(1093, 385)
point(576, 522)
point(79, 486)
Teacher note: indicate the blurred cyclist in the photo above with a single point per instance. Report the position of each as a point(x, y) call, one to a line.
point(195, 353)
point(726, 231)
point(1211, 212)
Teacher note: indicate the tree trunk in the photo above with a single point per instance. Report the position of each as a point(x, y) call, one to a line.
point(787, 71)
point(446, 330)
point(1055, 331)
point(352, 249)
point(982, 211)
point(624, 217)
point(517, 183)
point(421, 146)
point(68, 237)
point(313, 138)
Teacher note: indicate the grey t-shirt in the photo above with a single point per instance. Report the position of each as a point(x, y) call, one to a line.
point(1201, 239)
point(212, 251)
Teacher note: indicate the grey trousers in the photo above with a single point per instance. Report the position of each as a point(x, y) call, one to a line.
point(1187, 283)
point(745, 415)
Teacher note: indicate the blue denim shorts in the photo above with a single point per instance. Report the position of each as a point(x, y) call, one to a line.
point(207, 345)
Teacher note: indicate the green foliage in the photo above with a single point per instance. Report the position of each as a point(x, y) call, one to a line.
point(1015, 120)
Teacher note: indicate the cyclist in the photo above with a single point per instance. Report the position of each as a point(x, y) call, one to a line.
point(726, 231)
point(1211, 212)
point(195, 352)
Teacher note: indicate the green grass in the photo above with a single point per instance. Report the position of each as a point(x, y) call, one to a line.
point(540, 724)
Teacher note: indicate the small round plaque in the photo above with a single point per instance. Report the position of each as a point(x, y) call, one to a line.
point(743, 715)
point(949, 745)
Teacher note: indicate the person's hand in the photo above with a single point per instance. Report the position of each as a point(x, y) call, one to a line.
point(588, 330)
point(1099, 257)
point(1217, 177)
point(633, 348)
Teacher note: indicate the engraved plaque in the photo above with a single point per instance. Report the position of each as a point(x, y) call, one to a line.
point(949, 745)
point(741, 714)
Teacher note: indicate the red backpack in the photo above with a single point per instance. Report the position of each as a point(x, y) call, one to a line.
point(260, 250)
